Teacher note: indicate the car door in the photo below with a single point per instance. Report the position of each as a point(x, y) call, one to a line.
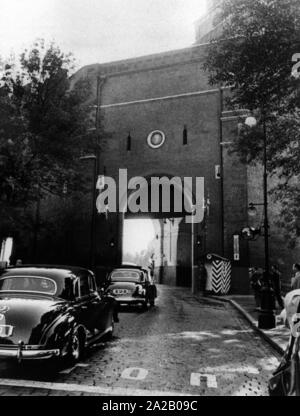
point(100, 307)
point(103, 307)
point(87, 303)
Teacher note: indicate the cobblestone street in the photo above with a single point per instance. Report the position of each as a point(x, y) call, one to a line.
point(181, 346)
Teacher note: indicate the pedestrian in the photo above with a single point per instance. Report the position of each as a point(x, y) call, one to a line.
point(202, 278)
point(256, 284)
point(296, 279)
point(276, 284)
point(152, 267)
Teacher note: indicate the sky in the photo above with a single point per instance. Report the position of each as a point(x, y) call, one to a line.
point(137, 234)
point(98, 31)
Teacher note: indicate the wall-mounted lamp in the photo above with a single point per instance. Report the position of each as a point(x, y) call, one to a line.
point(252, 211)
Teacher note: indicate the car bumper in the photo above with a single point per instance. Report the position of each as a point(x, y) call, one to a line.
point(28, 354)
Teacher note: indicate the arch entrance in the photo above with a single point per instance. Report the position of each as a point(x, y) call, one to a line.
point(162, 238)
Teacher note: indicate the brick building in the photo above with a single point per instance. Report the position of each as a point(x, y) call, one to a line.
point(169, 92)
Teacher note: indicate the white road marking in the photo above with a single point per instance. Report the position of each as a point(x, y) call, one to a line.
point(134, 373)
point(223, 369)
point(210, 380)
point(82, 388)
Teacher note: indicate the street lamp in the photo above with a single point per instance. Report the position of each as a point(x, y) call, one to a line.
point(93, 219)
point(252, 211)
point(266, 318)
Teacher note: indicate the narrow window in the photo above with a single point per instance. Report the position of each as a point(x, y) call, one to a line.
point(184, 136)
point(128, 143)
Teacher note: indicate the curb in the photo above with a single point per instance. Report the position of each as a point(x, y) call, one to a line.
point(252, 323)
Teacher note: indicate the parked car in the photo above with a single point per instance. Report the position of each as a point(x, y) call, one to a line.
point(52, 311)
point(131, 284)
point(285, 380)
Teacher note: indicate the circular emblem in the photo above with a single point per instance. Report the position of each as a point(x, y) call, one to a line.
point(156, 139)
point(3, 309)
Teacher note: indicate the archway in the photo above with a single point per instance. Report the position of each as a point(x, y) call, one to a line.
point(173, 246)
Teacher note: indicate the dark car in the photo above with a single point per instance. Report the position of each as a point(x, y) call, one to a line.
point(51, 311)
point(131, 285)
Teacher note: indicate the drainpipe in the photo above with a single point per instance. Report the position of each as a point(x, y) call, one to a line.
point(194, 286)
point(221, 169)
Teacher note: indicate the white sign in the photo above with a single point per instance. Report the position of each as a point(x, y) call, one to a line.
point(100, 182)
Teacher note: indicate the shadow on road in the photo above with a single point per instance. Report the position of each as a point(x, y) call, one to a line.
point(134, 309)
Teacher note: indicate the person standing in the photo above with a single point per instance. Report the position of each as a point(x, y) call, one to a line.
point(256, 284)
point(296, 280)
point(276, 284)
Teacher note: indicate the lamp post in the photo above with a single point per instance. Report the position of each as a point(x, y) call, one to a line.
point(93, 219)
point(96, 159)
point(193, 275)
point(266, 318)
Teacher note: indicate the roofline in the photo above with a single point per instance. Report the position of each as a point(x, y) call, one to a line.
point(141, 57)
point(46, 266)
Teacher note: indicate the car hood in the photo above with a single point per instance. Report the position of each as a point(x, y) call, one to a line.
point(29, 317)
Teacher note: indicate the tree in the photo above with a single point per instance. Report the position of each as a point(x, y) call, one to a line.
point(44, 129)
point(253, 56)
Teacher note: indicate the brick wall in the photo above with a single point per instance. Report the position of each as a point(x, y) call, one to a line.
point(167, 92)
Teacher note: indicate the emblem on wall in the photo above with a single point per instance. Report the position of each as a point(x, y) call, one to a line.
point(156, 139)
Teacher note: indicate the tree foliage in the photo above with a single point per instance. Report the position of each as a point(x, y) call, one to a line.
point(253, 56)
point(43, 130)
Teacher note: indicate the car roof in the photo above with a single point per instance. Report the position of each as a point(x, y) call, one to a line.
point(129, 266)
point(135, 269)
point(46, 270)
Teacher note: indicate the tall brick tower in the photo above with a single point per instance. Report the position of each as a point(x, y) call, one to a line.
point(207, 26)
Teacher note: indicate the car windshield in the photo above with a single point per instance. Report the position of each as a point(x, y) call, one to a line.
point(125, 276)
point(28, 284)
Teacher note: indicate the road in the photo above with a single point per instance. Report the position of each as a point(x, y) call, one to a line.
point(182, 346)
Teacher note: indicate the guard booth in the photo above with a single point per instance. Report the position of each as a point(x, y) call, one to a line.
point(218, 269)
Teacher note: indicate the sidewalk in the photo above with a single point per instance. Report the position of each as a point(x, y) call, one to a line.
point(277, 337)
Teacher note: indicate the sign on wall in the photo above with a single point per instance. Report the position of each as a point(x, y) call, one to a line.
point(100, 182)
